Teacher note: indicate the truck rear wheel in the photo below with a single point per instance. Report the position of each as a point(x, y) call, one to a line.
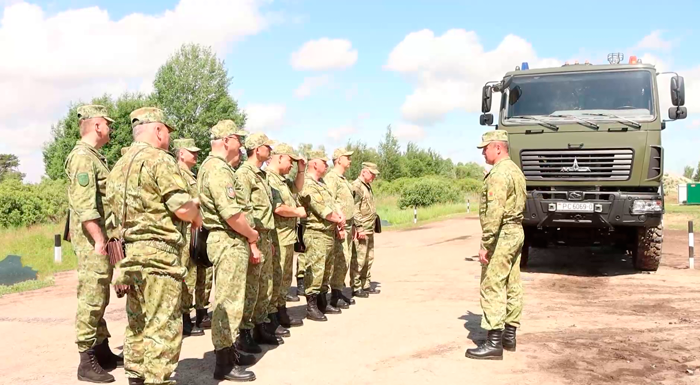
point(646, 252)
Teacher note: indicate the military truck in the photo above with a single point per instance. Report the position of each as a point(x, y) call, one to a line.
point(588, 140)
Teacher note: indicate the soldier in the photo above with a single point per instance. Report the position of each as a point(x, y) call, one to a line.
point(148, 197)
point(286, 215)
point(253, 180)
point(323, 223)
point(87, 173)
point(341, 190)
point(231, 245)
point(186, 155)
point(501, 214)
point(365, 215)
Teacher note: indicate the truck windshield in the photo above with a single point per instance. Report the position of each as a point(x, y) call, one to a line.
point(621, 93)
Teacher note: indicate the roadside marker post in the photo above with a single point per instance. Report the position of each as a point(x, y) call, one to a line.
point(469, 210)
point(57, 255)
point(415, 214)
point(691, 246)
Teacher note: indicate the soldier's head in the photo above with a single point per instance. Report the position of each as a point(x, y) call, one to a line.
point(283, 157)
point(494, 146)
point(227, 140)
point(369, 172)
point(94, 124)
point(150, 125)
point(259, 147)
point(318, 163)
point(185, 151)
point(341, 157)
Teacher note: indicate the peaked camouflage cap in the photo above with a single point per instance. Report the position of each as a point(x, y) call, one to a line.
point(317, 154)
point(258, 139)
point(341, 152)
point(285, 149)
point(224, 129)
point(145, 115)
point(371, 167)
point(90, 111)
point(186, 143)
point(493, 136)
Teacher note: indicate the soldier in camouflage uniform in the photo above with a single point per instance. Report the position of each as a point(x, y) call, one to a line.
point(87, 172)
point(501, 214)
point(324, 223)
point(286, 215)
point(186, 154)
point(147, 184)
point(365, 215)
point(342, 193)
point(231, 243)
point(259, 283)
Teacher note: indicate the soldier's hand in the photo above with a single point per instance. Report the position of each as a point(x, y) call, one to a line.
point(254, 239)
point(301, 212)
point(254, 254)
point(197, 221)
point(101, 248)
point(341, 234)
point(360, 235)
point(301, 164)
point(483, 256)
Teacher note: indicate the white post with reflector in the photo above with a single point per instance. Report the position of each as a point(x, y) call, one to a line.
point(415, 214)
point(691, 246)
point(57, 255)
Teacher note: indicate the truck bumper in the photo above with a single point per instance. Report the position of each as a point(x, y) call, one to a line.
point(610, 209)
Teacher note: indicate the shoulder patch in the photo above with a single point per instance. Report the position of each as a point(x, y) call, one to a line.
point(83, 179)
point(230, 192)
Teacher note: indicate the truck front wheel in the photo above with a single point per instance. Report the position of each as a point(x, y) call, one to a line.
point(646, 252)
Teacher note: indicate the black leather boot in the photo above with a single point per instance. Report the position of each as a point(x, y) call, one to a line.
point(264, 337)
point(226, 369)
point(240, 358)
point(276, 328)
point(347, 300)
point(292, 298)
point(312, 311)
point(285, 320)
point(372, 290)
point(188, 329)
point(491, 349)
point(300, 286)
point(246, 343)
point(136, 381)
point(203, 320)
point(509, 338)
point(90, 370)
point(325, 307)
point(107, 359)
point(360, 293)
point(337, 300)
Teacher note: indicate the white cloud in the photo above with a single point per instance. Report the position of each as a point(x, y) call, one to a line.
point(351, 92)
point(324, 54)
point(339, 133)
point(265, 117)
point(311, 83)
point(655, 42)
point(408, 132)
point(50, 60)
point(450, 70)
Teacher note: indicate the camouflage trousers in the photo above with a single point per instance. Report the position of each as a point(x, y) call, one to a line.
point(342, 254)
point(258, 288)
point(230, 257)
point(501, 289)
point(361, 263)
point(197, 284)
point(153, 335)
point(286, 253)
point(318, 260)
point(301, 265)
point(189, 281)
point(94, 277)
point(202, 291)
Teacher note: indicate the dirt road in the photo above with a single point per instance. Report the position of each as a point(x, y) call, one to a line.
point(588, 319)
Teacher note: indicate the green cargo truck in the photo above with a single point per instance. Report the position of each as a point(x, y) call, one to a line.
point(588, 139)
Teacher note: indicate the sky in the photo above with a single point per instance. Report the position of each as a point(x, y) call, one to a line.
point(323, 72)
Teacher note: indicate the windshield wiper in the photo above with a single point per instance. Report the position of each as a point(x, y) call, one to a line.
point(583, 122)
point(620, 119)
point(541, 122)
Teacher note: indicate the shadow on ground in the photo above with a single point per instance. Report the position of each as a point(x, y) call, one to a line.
point(472, 322)
point(580, 261)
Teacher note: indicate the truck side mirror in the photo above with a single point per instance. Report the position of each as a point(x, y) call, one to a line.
point(677, 91)
point(486, 97)
point(677, 113)
point(486, 119)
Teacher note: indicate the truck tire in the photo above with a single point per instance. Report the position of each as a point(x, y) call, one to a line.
point(646, 253)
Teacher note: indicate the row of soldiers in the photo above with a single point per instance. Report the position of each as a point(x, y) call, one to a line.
point(151, 203)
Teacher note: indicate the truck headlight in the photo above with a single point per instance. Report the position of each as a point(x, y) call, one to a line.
point(646, 206)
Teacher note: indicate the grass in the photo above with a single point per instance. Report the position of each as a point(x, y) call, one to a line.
point(388, 210)
point(677, 216)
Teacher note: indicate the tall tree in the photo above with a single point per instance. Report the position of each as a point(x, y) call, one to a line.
point(390, 156)
point(361, 153)
point(8, 167)
point(688, 172)
point(696, 177)
point(192, 88)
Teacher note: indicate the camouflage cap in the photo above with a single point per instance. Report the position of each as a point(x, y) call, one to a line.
point(186, 143)
point(371, 167)
point(225, 128)
point(341, 152)
point(317, 154)
point(285, 149)
point(146, 115)
point(493, 136)
point(258, 139)
point(93, 111)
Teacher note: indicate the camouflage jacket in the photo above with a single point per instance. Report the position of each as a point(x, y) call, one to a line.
point(341, 190)
point(285, 191)
point(318, 203)
point(191, 181)
point(221, 195)
point(87, 173)
point(257, 190)
point(365, 210)
point(502, 201)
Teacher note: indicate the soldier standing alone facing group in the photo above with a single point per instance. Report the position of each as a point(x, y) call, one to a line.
point(501, 214)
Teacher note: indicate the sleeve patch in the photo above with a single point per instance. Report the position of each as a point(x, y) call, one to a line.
point(83, 179)
point(230, 192)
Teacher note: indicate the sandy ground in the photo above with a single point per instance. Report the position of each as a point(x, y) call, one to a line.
point(588, 319)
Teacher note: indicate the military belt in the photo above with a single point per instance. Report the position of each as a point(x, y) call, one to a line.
point(158, 245)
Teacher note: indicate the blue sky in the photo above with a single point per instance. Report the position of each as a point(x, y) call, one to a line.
point(360, 99)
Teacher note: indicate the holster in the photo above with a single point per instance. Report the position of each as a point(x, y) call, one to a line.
point(115, 251)
point(66, 228)
point(299, 245)
point(377, 225)
point(198, 247)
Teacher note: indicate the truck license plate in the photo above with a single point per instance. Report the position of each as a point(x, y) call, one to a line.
point(575, 207)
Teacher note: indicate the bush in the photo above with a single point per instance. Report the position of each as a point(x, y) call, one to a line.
point(429, 191)
point(29, 204)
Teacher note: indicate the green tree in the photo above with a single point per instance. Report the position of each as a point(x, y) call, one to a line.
point(192, 89)
point(390, 157)
point(8, 167)
point(361, 153)
point(469, 170)
point(688, 172)
point(696, 177)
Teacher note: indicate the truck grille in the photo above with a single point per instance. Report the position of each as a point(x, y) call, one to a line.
point(580, 165)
